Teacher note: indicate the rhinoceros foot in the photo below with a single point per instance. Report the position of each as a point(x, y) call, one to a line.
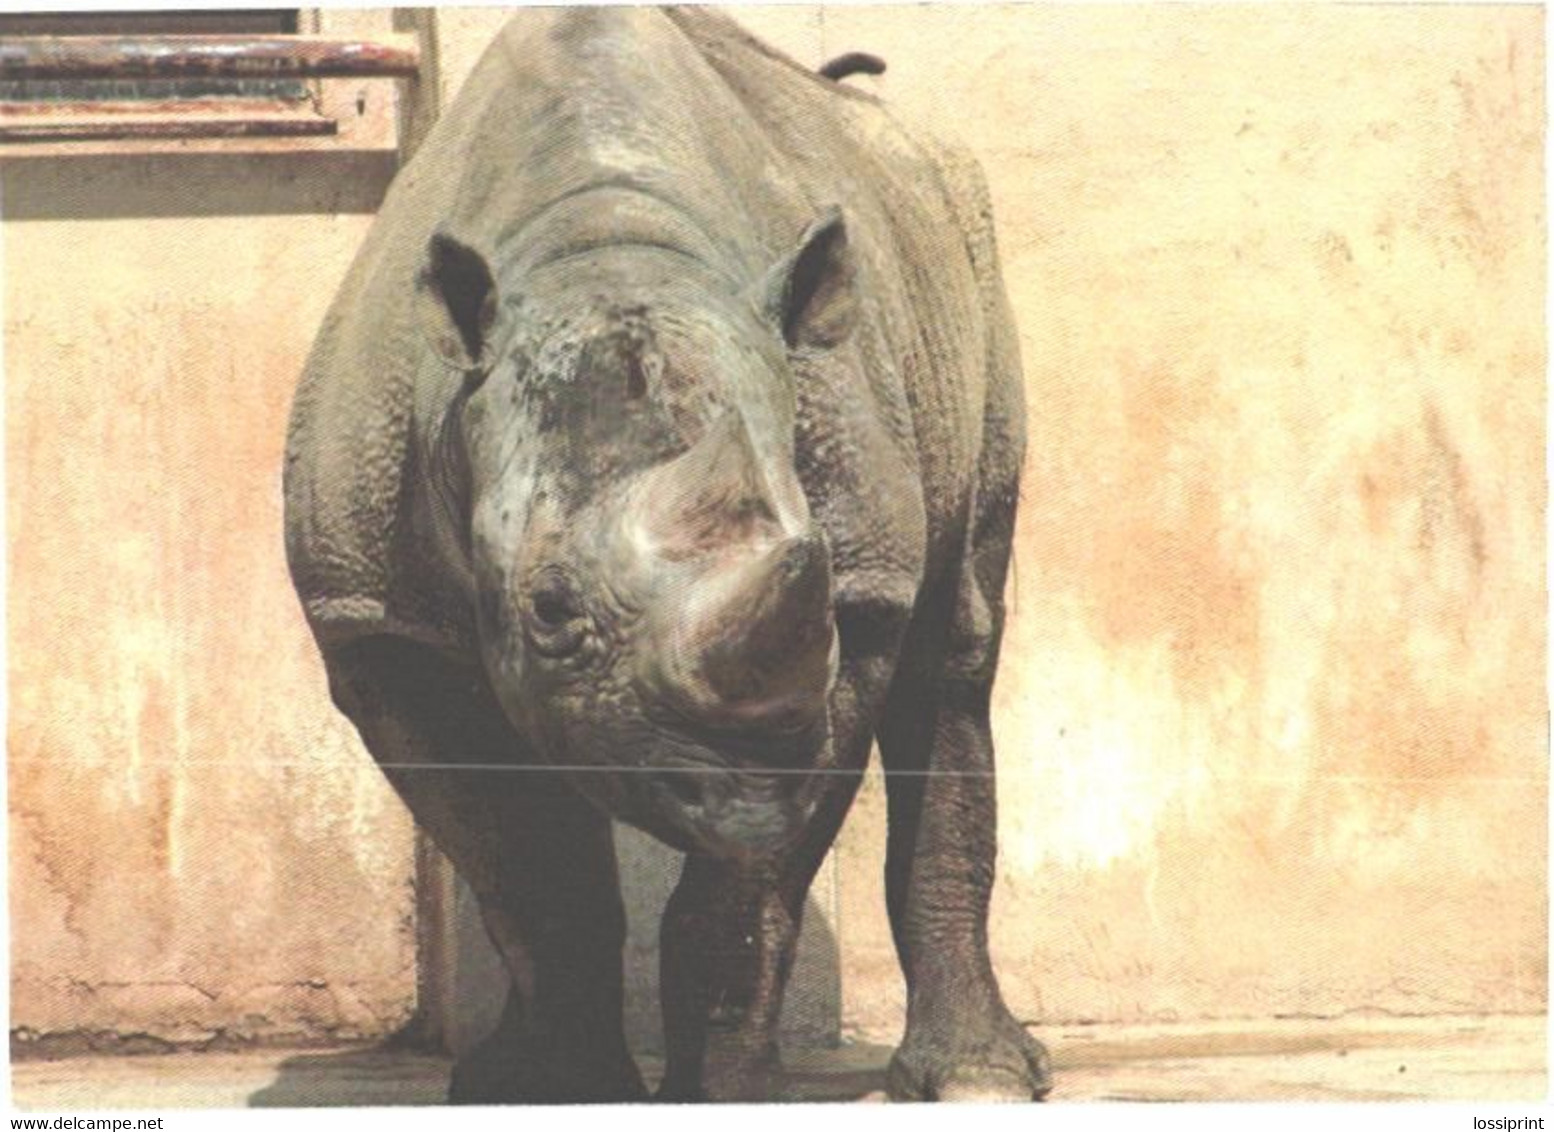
point(991, 1059)
point(728, 1084)
point(478, 1081)
point(507, 1068)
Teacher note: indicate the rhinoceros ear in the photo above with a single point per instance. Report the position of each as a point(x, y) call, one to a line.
point(456, 301)
point(810, 294)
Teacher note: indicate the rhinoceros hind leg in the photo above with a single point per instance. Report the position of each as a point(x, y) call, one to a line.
point(539, 858)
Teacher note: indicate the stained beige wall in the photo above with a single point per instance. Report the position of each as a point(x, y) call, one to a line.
point(1270, 719)
point(199, 850)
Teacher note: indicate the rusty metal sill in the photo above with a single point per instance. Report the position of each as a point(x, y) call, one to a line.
point(25, 58)
point(199, 120)
point(124, 121)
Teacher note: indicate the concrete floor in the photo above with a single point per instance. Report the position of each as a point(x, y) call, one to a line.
point(1497, 1058)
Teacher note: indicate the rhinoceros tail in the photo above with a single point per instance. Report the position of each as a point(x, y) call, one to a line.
point(853, 63)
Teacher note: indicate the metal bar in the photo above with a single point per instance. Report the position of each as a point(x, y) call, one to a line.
point(28, 112)
point(206, 56)
point(115, 128)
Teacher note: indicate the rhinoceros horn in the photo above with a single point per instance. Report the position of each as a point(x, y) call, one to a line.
point(746, 634)
point(765, 631)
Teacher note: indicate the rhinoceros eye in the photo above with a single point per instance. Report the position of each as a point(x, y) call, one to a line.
point(553, 607)
point(555, 616)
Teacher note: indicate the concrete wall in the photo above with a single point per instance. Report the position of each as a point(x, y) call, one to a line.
point(1271, 715)
point(199, 849)
point(196, 840)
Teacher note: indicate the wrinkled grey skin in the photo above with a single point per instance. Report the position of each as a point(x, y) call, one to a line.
point(666, 433)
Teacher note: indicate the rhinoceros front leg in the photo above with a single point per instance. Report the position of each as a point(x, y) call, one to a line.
point(961, 1041)
point(730, 932)
point(538, 857)
point(726, 947)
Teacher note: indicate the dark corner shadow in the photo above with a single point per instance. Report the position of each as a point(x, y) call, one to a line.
point(387, 1077)
point(384, 1075)
point(135, 186)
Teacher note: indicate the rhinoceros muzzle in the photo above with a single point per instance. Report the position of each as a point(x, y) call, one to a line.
point(727, 813)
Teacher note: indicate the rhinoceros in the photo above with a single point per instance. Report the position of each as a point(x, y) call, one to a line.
point(657, 457)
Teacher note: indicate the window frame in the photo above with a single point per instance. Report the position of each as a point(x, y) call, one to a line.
point(353, 74)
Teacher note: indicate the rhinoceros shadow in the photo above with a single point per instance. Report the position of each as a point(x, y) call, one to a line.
point(397, 1073)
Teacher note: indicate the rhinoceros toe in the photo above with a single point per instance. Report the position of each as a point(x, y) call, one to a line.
point(998, 1062)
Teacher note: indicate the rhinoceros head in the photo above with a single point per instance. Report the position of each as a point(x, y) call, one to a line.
point(653, 597)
